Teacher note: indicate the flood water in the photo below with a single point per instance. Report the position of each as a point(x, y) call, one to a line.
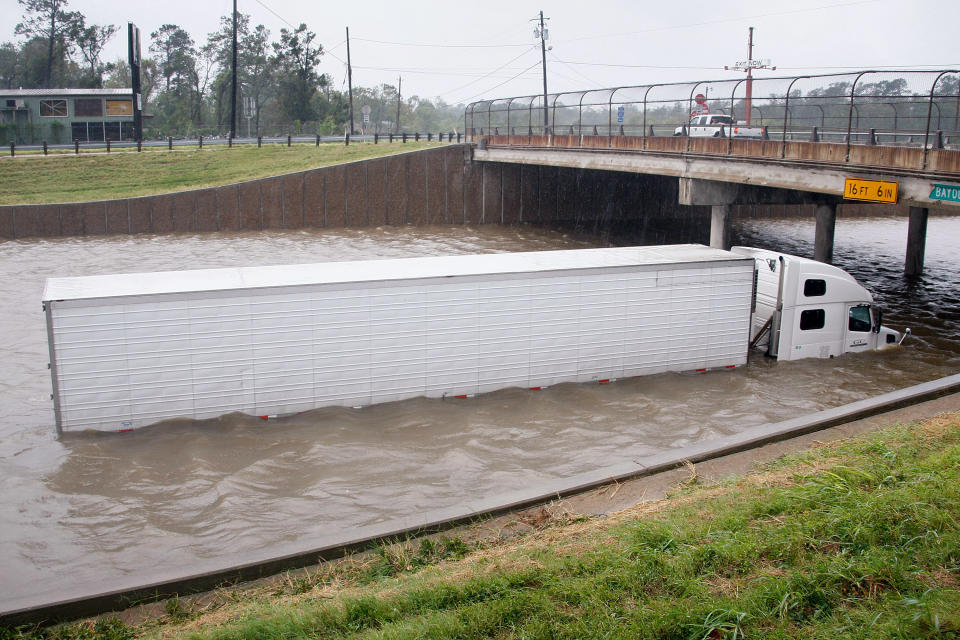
point(93, 512)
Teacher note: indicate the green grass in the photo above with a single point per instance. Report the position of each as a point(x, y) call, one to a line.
point(859, 539)
point(88, 177)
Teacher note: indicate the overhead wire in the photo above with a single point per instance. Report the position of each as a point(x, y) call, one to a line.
point(499, 85)
point(574, 69)
point(429, 72)
point(899, 67)
point(722, 20)
point(292, 26)
point(442, 46)
point(464, 86)
point(633, 66)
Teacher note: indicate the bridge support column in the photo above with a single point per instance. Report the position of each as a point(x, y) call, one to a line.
point(826, 215)
point(916, 241)
point(719, 196)
point(720, 226)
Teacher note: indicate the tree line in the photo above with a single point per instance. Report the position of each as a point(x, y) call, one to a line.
point(186, 84)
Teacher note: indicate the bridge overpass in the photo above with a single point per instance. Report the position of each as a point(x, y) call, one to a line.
point(869, 136)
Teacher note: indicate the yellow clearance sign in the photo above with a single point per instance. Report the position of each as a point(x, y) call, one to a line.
point(870, 190)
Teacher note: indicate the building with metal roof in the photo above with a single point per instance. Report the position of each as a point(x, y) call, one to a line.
point(57, 116)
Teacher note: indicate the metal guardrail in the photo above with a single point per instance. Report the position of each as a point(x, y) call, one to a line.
point(109, 146)
point(904, 108)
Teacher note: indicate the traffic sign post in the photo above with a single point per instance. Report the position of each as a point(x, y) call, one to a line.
point(749, 65)
point(701, 108)
point(365, 110)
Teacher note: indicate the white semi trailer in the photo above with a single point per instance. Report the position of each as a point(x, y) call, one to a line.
point(130, 350)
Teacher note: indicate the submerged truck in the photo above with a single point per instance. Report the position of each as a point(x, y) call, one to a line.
point(130, 350)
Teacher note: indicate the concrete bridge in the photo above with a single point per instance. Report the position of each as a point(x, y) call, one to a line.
point(817, 140)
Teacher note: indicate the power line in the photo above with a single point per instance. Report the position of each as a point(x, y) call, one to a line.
point(634, 66)
point(282, 19)
point(574, 69)
point(535, 64)
point(571, 79)
point(446, 93)
point(899, 67)
point(441, 46)
point(427, 72)
point(292, 26)
point(724, 20)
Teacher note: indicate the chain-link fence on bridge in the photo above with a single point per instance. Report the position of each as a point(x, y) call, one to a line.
point(907, 107)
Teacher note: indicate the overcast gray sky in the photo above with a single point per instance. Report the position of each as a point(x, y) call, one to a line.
point(462, 51)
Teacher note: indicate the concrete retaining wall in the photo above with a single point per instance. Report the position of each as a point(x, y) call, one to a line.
point(426, 187)
point(432, 186)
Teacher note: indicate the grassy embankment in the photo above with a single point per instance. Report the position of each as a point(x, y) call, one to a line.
point(118, 175)
point(857, 539)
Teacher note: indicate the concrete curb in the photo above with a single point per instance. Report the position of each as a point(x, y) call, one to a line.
point(291, 558)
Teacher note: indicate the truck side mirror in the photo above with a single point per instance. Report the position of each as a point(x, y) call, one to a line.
point(878, 319)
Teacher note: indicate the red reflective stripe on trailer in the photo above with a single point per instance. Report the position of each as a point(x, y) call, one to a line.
point(701, 370)
point(123, 430)
point(731, 366)
point(604, 381)
point(535, 388)
point(462, 396)
point(263, 417)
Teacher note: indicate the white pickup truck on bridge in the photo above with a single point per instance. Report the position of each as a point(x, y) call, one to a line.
point(718, 125)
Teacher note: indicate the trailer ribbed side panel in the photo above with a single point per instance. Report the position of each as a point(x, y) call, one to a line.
point(129, 362)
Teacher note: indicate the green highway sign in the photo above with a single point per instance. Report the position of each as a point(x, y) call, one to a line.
point(946, 192)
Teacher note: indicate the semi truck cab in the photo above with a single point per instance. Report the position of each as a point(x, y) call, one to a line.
point(808, 309)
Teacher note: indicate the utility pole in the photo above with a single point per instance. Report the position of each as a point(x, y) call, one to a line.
point(749, 65)
point(350, 80)
point(396, 126)
point(233, 91)
point(543, 35)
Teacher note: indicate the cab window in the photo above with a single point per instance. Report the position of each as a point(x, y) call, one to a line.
point(812, 319)
point(814, 287)
point(859, 318)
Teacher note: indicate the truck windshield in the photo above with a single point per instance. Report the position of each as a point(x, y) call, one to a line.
point(859, 318)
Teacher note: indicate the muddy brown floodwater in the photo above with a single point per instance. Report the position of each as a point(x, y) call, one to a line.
point(91, 512)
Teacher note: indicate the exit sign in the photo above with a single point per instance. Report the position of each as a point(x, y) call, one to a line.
point(870, 190)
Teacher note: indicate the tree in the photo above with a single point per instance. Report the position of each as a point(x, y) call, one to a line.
point(296, 61)
point(177, 105)
point(220, 47)
point(118, 76)
point(9, 72)
point(30, 66)
point(49, 21)
point(206, 63)
point(256, 69)
point(90, 42)
point(176, 57)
